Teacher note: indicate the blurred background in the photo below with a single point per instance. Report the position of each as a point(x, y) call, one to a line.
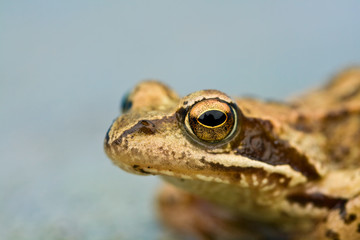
point(64, 66)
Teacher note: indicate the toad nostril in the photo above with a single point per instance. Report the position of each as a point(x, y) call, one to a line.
point(147, 127)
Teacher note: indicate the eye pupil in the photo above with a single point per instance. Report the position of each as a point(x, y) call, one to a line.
point(212, 118)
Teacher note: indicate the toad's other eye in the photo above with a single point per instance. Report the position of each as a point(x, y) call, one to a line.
point(126, 103)
point(211, 120)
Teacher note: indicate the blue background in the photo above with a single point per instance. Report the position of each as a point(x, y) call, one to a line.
point(64, 66)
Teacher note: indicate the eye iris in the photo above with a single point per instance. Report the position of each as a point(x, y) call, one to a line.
point(212, 118)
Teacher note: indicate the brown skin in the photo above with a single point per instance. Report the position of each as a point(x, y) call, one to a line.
point(284, 168)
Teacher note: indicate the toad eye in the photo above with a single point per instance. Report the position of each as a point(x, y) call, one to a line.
point(126, 103)
point(211, 120)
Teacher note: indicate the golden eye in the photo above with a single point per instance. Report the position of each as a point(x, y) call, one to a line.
point(211, 120)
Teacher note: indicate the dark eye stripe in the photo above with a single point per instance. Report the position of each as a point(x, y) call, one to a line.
point(212, 118)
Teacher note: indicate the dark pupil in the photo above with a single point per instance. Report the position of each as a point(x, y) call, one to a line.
point(212, 118)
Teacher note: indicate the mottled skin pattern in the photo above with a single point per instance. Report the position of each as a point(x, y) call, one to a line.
point(288, 171)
